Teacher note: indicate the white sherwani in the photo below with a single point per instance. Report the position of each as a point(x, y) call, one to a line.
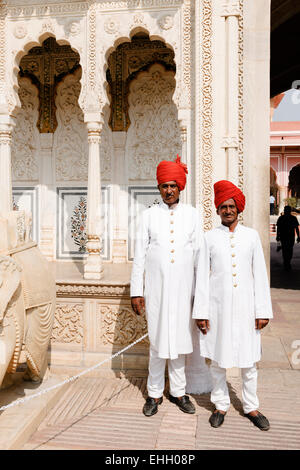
point(166, 250)
point(235, 294)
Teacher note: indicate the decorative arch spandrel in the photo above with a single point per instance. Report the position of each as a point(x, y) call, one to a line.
point(154, 133)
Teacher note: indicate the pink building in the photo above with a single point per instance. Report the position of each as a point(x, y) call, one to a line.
point(284, 158)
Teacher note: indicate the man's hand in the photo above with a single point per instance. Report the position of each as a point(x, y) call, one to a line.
point(203, 326)
point(260, 323)
point(138, 305)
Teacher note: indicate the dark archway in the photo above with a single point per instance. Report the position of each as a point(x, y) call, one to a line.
point(46, 66)
point(124, 64)
point(285, 45)
point(294, 181)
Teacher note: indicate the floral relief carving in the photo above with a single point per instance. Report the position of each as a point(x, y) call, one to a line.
point(241, 100)
point(110, 291)
point(166, 22)
point(207, 146)
point(120, 326)
point(70, 137)
point(25, 136)
point(154, 131)
point(111, 26)
point(20, 31)
point(68, 325)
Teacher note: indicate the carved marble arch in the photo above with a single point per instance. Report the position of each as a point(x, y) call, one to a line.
point(25, 136)
point(70, 145)
point(124, 61)
point(154, 133)
point(22, 55)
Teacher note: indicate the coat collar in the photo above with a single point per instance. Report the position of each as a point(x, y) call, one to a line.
point(226, 229)
point(165, 206)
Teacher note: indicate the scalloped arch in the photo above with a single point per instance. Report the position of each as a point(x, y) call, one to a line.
point(38, 42)
point(124, 39)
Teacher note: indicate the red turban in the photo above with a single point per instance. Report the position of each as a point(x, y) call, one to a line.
point(172, 171)
point(225, 190)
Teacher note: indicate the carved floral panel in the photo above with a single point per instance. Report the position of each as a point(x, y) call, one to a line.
point(71, 136)
point(25, 136)
point(154, 131)
point(121, 326)
point(68, 324)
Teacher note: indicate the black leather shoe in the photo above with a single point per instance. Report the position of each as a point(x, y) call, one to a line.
point(184, 404)
point(216, 419)
point(259, 421)
point(150, 407)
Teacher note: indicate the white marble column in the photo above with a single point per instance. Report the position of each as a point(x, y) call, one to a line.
point(120, 200)
point(185, 197)
point(6, 126)
point(93, 268)
point(231, 12)
point(48, 197)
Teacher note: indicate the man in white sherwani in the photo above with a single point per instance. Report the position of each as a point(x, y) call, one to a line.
point(168, 241)
point(233, 304)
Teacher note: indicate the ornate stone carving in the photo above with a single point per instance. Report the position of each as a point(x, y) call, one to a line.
point(120, 326)
point(207, 113)
point(231, 9)
point(124, 63)
point(185, 93)
point(111, 26)
point(85, 290)
point(52, 10)
point(166, 22)
point(78, 225)
point(46, 64)
point(74, 28)
point(106, 148)
point(138, 20)
point(25, 136)
point(132, 4)
point(48, 27)
point(241, 101)
point(20, 31)
point(70, 137)
point(230, 142)
point(68, 324)
point(154, 132)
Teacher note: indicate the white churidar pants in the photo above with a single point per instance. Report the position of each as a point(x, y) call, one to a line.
point(220, 396)
point(156, 377)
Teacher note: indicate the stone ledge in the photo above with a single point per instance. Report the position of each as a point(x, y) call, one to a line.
point(18, 423)
point(90, 290)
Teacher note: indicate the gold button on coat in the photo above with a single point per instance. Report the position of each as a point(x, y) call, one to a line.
point(172, 261)
point(233, 255)
point(235, 285)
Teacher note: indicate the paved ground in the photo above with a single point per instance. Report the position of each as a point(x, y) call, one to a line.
point(97, 413)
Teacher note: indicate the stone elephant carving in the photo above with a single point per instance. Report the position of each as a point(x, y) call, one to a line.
point(27, 306)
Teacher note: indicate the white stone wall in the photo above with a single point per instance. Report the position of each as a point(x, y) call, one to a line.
point(221, 88)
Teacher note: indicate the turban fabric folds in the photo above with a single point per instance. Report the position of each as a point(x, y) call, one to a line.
point(172, 171)
point(225, 190)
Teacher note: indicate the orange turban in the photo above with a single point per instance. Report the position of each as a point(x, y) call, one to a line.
point(225, 190)
point(172, 171)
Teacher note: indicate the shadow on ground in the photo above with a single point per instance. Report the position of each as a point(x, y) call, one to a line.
point(281, 279)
